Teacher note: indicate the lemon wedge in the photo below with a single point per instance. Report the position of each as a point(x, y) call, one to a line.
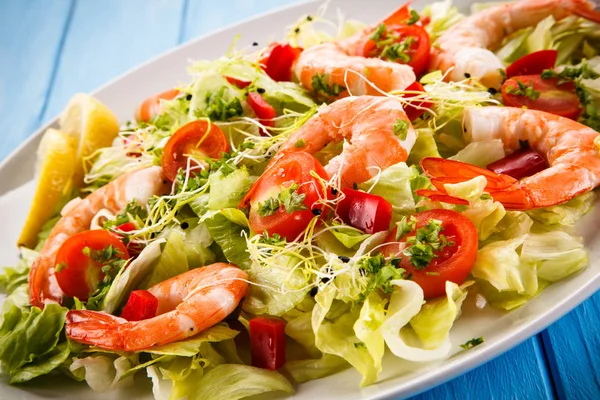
point(86, 125)
point(56, 164)
point(92, 124)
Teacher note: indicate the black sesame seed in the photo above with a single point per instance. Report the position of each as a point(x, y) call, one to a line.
point(309, 18)
point(313, 291)
point(316, 211)
point(325, 280)
point(188, 97)
point(254, 43)
point(492, 91)
point(354, 186)
point(297, 30)
point(334, 191)
point(260, 90)
point(467, 75)
point(164, 181)
point(344, 259)
point(184, 225)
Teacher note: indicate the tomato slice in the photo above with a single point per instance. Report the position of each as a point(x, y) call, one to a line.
point(263, 110)
point(554, 97)
point(453, 263)
point(134, 249)
point(365, 211)
point(152, 105)
point(533, 64)
point(78, 274)
point(200, 139)
point(267, 342)
point(412, 112)
point(278, 60)
point(400, 16)
point(238, 82)
point(293, 168)
point(141, 305)
point(417, 51)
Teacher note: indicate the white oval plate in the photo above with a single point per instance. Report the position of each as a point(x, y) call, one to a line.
point(502, 331)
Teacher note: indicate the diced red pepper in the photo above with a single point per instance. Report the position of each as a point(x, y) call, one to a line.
point(412, 112)
point(267, 342)
point(533, 64)
point(263, 110)
point(279, 59)
point(238, 82)
point(365, 211)
point(520, 164)
point(141, 305)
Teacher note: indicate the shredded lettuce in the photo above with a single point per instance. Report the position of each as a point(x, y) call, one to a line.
point(228, 228)
point(226, 191)
point(443, 15)
point(172, 261)
point(567, 213)
point(104, 371)
point(424, 146)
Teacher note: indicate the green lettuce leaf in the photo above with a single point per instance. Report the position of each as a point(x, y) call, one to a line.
point(228, 228)
point(13, 277)
point(443, 15)
point(368, 327)
point(226, 191)
point(104, 371)
point(567, 213)
point(28, 338)
point(481, 153)
point(348, 236)
point(405, 304)
point(424, 146)
point(190, 347)
point(232, 382)
point(172, 261)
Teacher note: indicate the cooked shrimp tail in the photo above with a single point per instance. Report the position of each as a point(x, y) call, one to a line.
point(188, 303)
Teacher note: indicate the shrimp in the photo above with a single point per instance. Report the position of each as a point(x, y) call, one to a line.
point(187, 304)
point(568, 146)
point(77, 217)
point(335, 62)
point(465, 45)
point(377, 130)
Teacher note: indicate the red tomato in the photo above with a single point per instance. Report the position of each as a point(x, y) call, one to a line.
point(418, 51)
point(267, 342)
point(411, 111)
point(454, 263)
point(263, 110)
point(152, 105)
point(293, 168)
point(555, 98)
point(400, 16)
point(77, 274)
point(278, 60)
point(201, 139)
point(238, 82)
point(533, 64)
point(134, 249)
point(365, 211)
point(141, 305)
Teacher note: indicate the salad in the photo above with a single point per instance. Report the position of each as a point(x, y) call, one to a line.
point(295, 210)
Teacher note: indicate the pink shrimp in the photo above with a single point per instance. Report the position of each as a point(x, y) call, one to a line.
point(139, 185)
point(465, 45)
point(187, 304)
point(377, 130)
point(570, 148)
point(336, 61)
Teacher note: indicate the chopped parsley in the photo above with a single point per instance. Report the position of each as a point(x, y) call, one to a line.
point(219, 109)
point(522, 89)
point(112, 264)
point(414, 18)
point(382, 271)
point(391, 46)
point(472, 343)
point(422, 246)
point(590, 105)
point(401, 128)
point(288, 198)
point(274, 240)
point(300, 143)
point(321, 86)
point(131, 212)
point(360, 345)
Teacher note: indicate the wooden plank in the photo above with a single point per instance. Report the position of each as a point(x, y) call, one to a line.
point(30, 38)
point(573, 348)
point(108, 38)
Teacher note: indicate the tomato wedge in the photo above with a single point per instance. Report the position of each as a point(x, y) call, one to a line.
point(453, 263)
point(267, 342)
point(79, 274)
point(278, 60)
point(238, 82)
point(412, 112)
point(365, 211)
point(292, 169)
point(141, 305)
point(263, 110)
point(417, 51)
point(152, 105)
point(533, 64)
point(548, 95)
point(200, 139)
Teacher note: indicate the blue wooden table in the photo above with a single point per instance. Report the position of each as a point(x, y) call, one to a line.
point(50, 50)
